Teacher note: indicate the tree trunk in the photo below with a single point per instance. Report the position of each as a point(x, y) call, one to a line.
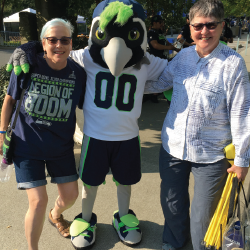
point(47, 10)
point(1, 15)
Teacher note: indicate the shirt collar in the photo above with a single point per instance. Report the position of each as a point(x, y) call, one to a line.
point(209, 57)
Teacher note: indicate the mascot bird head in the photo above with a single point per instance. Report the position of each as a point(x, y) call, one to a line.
point(118, 35)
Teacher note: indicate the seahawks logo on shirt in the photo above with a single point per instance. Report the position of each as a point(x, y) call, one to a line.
point(72, 75)
point(38, 121)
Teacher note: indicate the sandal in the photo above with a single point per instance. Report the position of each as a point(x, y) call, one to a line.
point(60, 224)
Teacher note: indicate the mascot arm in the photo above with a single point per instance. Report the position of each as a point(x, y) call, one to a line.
point(164, 80)
point(24, 56)
point(158, 86)
point(78, 56)
point(156, 67)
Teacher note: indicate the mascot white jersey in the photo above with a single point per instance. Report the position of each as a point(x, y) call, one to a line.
point(113, 103)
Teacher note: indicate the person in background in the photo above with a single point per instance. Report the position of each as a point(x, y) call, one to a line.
point(186, 35)
point(210, 109)
point(227, 34)
point(156, 39)
point(232, 23)
point(157, 43)
point(43, 136)
point(240, 28)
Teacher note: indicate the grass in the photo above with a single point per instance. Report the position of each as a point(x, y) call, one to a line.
point(4, 82)
point(12, 43)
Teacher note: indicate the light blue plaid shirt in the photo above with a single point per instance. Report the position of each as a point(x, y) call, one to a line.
point(209, 108)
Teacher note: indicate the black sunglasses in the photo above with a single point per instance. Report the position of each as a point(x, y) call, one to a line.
point(54, 40)
point(200, 26)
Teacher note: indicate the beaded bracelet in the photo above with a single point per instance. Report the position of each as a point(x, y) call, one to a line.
point(2, 132)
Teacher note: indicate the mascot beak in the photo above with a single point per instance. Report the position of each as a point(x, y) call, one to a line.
point(116, 55)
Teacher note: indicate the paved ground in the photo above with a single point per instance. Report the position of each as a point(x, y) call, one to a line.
point(145, 196)
point(5, 53)
point(242, 43)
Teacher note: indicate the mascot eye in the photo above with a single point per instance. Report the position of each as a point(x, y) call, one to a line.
point(133, 34)
point(101, 35)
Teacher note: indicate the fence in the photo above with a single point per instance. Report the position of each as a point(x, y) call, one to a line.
point(8, 38)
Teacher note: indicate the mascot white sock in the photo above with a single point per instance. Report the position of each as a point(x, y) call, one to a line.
point(123, 197)
point(124, 220)
point(88, 200)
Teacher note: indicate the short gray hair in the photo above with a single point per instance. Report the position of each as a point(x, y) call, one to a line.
point(56, 22)
point(207, 8)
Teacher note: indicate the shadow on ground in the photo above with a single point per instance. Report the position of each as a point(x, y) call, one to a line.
point(150, 237)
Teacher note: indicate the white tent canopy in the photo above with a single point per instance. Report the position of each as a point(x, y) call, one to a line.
point(80, 19)
point(15, 17)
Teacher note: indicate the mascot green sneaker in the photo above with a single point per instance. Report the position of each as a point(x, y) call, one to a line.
point(127, 228)
point(83, 232)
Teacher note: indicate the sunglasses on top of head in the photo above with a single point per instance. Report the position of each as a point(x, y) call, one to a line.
point(209, 26)
point(54, 40)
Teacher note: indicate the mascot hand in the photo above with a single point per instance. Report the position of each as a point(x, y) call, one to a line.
point(24, 56)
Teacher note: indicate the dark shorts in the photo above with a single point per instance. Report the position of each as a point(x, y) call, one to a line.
point(122, 157)
point(30, 173)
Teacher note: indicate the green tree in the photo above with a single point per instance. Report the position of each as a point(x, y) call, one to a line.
point(68, 9)
point(87, 8)
point(236, 8)
point(171, 10)
point(83, 8)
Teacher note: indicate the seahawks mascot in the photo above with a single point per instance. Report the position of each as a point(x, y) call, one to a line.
point(117, 68)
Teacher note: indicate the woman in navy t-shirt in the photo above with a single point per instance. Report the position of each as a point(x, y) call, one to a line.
point(45, 127)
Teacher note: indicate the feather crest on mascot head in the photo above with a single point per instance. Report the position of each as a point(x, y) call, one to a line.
point(122, 11)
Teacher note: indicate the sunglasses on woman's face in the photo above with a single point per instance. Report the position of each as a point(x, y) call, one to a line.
point(209, 26)
point(54, 40)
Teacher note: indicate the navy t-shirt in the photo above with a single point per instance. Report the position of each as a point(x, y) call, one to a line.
point(228, 33)
point(185, 31)
point(153, 34)
point(46, 121)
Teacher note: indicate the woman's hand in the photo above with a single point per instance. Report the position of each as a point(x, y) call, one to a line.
point(241, 172)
